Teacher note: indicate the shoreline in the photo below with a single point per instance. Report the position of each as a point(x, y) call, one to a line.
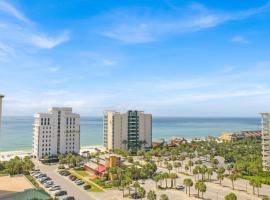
point(90, 146)
point(7, 155)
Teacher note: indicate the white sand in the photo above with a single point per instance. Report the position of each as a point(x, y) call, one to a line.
point(7, 155)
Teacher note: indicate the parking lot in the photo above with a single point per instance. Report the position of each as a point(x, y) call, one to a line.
point(65, 183)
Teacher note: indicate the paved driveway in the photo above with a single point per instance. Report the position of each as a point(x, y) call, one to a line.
point(71, 188)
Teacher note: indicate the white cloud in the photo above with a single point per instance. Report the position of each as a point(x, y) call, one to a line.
point(46, 42)
point(142, 26)
point(239, 39)
point(11, 10)
point(22, 35)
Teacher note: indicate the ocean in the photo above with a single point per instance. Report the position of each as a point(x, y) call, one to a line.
point(16, 132)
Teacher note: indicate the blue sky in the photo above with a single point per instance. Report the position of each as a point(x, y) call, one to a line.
point(167, 57)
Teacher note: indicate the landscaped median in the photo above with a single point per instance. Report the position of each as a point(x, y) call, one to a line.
point(84, 176)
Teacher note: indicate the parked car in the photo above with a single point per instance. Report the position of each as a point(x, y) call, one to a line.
point(73, 178)
point(69, 198)
point(79, 182)
point(55, 187)
point(87, 187)
point(179, 187)
point(135, 196)
point(64, 173)
point(45, 180)
point(60, 193)
point(42, 179)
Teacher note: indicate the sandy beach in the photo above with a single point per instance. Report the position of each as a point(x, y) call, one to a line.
point(7, 155)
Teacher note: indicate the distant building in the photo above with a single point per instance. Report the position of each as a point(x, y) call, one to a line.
point(98, 166)
point(232, 136)
point(1, 98)
point(265, 124)
point(129, 130)
point(227, 136)
point(56, 132)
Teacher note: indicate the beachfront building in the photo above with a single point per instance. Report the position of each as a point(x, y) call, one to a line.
point(265, 123)
point(127, 130)
point(56, 132)
point(1, 98)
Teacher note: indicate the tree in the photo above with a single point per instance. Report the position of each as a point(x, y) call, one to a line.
point(203, 171)
point(252, 182)
point(190, 164)
point(151, 195)
point(220, 177)
point(141, 192)
point(157, 178)
point(233, 177)
point(136, 185)
point(164, 197)
point(209, 173)
point(188, 183)
point(169, 167)
point(166, 176)
point(177, 165)
point(196, 171)
point(231, 196)
point(173, 177)
point(202, 187)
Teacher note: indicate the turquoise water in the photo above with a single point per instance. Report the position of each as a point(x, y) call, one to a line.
point(16, 132)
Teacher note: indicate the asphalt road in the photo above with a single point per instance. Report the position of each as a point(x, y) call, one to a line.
point(71, 188)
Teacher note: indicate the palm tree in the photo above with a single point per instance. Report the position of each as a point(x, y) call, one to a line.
point(252, 182)
point(164, 197)
point(203, 171)
point(188, 183)
point(157, 178)
point(123, 185)
point(151, 195)
point(210, 173)
point(190, 164)
point(197, 186)
point(233, 178)
point(202, 187)
point(231, 196)
point(141, 192)
point(196, 171)
point(165, 176)
point(177, 165)
point(186, 167)
point(258, 185)
point(136, 185)
point(173, 177)
point(220, 177)
point(169, 167)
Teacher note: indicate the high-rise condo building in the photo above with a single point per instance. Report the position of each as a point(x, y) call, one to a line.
point(1, 98)
point(265, 139)
point(128, 130)
point(56, 132)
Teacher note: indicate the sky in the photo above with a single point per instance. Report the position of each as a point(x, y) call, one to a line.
point(167, 57)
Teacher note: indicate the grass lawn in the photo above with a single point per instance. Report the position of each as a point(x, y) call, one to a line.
point(32, 180)
point(81, 172)
point(93, 188)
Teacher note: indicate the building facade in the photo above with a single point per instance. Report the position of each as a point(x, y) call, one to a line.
point(265, 123)
point(56, 132)
point(128, 130)
point(1, 98)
